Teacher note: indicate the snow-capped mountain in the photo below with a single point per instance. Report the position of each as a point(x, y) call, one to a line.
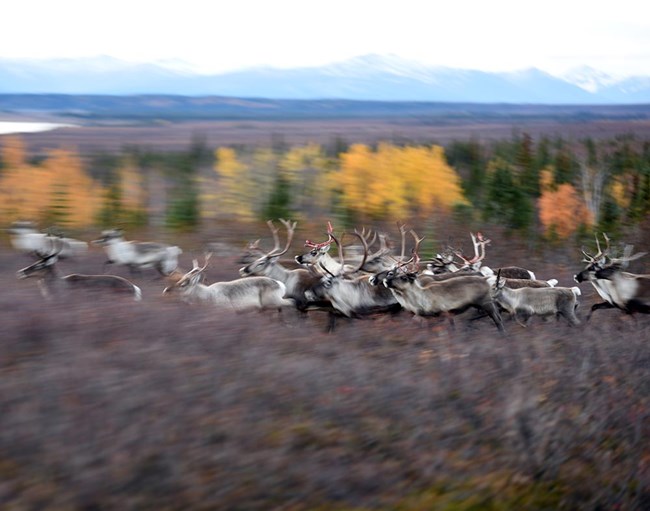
point(589, 79)
point(371, 77)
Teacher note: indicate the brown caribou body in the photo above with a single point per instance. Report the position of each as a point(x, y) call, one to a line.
point(447, 297)
point(524, 302)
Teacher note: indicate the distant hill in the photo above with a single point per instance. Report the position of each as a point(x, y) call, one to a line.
point(153, 108)
point(373, 78)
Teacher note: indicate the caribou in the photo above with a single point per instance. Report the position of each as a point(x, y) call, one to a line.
point(536, 301)
point(318, 257)
point(383, 258)
point(251, 252)
point(619, 289)
point(510, 272)
point(44, 268)
point(349, 292)
point(138, 255)
point(476, 263)
point(241, 295)
point(297, 281)
point(27, 239)
point(424, 296)
point(447, 297)
point(519, 283)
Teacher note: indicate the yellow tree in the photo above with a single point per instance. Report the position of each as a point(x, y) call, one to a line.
point(56, 191)
point(16, 182)
point(429, 181)
point(13, 155)
point(353, 178)
point(395, 182)
point(621, 189)
point(133, 193)
point(74, 199)
point(235, 195)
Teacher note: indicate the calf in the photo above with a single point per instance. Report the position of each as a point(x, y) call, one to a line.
point(525, 302)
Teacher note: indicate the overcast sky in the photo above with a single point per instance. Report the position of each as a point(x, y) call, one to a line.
point(212, 36)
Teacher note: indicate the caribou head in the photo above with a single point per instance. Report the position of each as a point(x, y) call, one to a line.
point(318, 250)
point(191, 278)
point(258, 266)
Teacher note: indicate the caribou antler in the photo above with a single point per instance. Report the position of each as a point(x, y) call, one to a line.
point(478, 241)
point(600, 254)
point(413, 263)
point(290, 227)
point(625, 260)
point(402, 231)
point(482, 240)
point(329, 241)
point(416, 256)
point(358, 267)
point(195, 263)
point(276, 238)
point(366, 234)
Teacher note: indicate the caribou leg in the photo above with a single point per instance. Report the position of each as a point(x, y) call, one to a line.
point(596, 306)
point(493, 311)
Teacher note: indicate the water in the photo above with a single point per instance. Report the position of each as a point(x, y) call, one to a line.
point(7, 127)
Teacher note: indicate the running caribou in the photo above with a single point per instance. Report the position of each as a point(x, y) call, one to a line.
point(424, 296)
point(26, 238)
point(524, 302)
point(138, 255)
point(444, 262)
point(250, 293)
point(349, 290)
point(619, 289)
point(297, 281)
point(45, 269)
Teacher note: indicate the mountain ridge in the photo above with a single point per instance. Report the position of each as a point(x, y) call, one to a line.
point(371, 77)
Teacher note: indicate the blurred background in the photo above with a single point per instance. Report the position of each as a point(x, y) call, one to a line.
point(193, 125)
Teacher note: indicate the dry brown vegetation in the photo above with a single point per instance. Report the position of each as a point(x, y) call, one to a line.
point(169, 136)
point(110, 404)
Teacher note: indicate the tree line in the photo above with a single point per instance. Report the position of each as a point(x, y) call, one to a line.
point(555, 188)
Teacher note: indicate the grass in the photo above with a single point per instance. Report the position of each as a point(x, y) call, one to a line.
point(110, 404)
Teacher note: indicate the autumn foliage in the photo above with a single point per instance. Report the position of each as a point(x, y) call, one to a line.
point(396, 182)
point(561, 209)
point(354, 184)
point(57, 190)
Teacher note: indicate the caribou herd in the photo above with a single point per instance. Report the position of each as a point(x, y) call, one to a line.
point(365, 275)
